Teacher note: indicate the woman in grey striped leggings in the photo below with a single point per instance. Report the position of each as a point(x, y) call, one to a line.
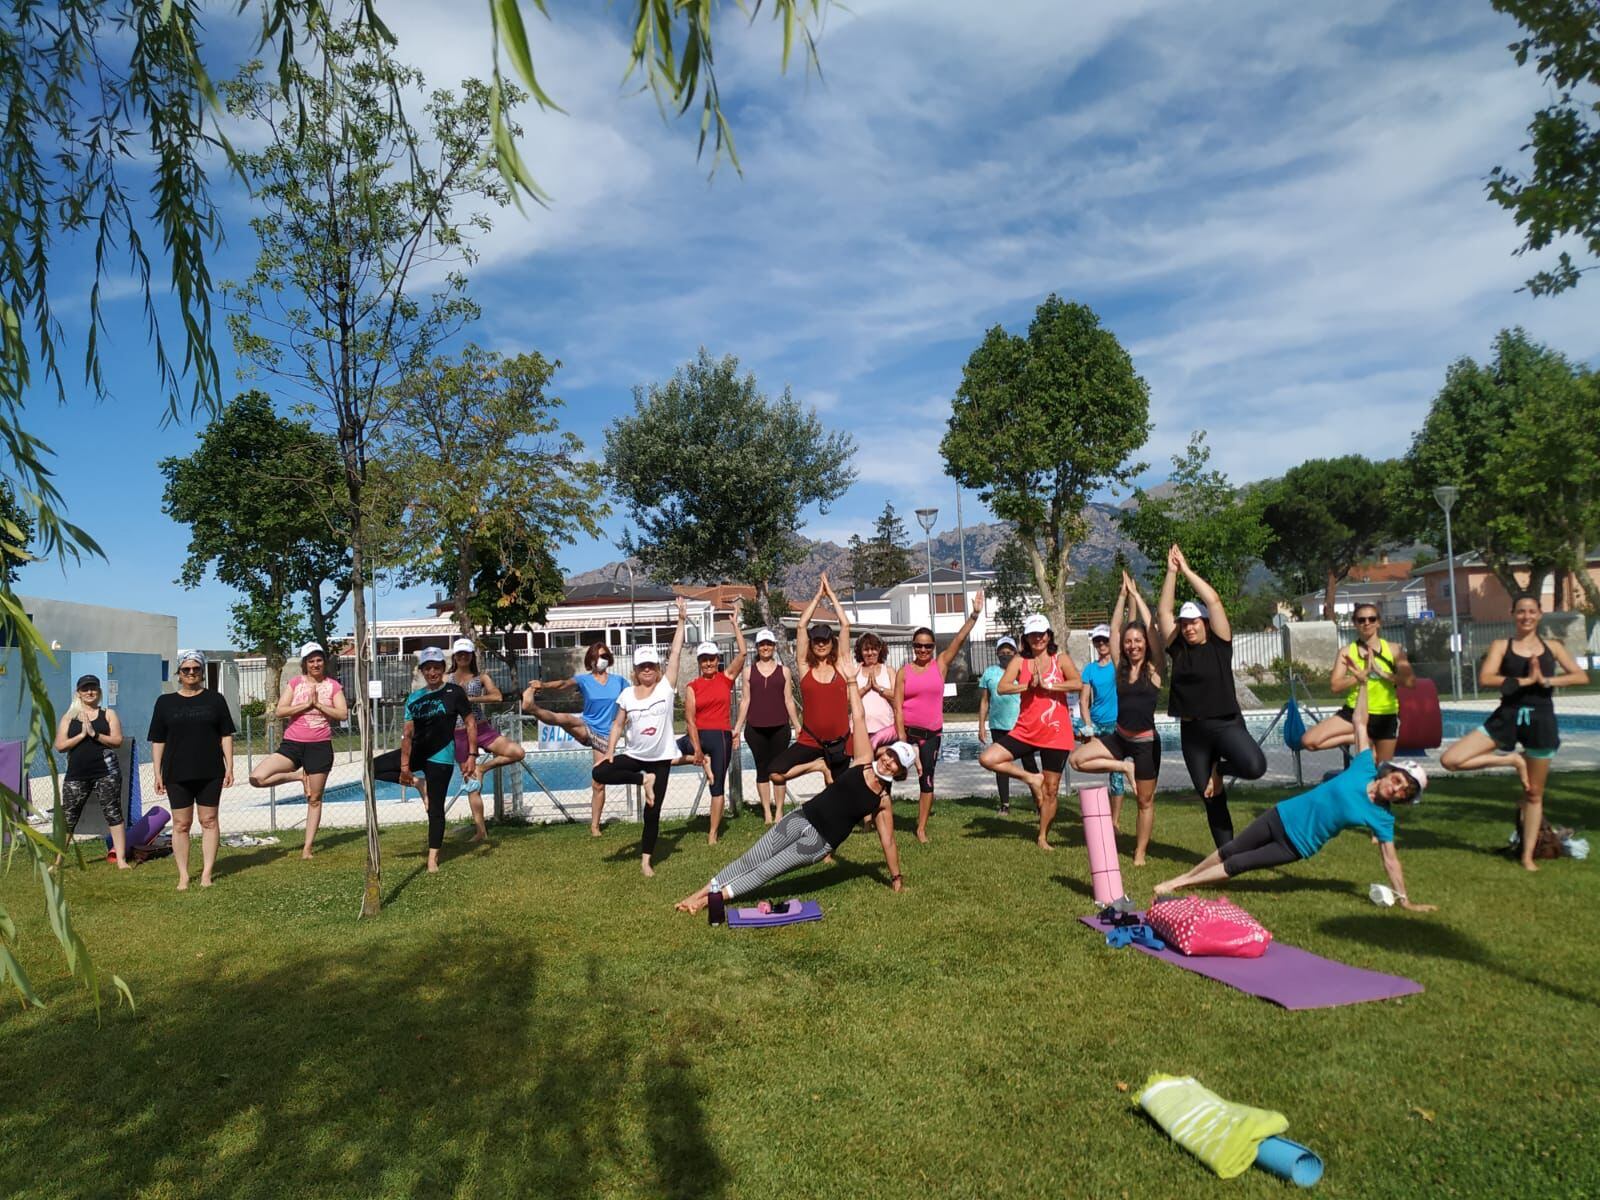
point(814, 830)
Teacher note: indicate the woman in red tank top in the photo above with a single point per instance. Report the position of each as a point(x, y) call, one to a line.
point(1044, 678)
point(708, 714)
point(825, 665)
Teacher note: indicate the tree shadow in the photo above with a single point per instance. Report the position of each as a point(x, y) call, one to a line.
point(1279, 885)
point(440, 1069)
point(1434, 938)
point(233, 863)
point(1073, 884)
point(394, 893)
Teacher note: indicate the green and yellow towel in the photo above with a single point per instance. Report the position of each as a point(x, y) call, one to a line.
point(1221, 1134)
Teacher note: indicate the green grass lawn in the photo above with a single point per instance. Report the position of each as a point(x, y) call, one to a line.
point(537, 1021)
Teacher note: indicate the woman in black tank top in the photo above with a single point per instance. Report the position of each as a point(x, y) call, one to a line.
point(1526, 669)
point(89, 736)
point(1134, 747)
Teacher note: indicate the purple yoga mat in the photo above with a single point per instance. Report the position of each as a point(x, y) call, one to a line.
point(147, 826)
point(1289, 976)
point(808, 910)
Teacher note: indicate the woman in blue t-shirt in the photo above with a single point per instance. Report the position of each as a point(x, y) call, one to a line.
point(1357, 798)
point(600, 691)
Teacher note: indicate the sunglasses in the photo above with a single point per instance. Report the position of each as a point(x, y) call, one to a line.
point(922, 645)
point(1366, 620)
point(188, 670)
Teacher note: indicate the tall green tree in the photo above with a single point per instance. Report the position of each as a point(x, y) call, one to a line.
point(1218, 525)
point(351, 207)
point(1518, 437)
point(258, 494)
point(489, 476)
point(716, 475)
point(16, 531)
point(884, 559)
point(1326, 516)
point(1042, 422)
point(96, 90)
point(750, 611)
point(1558, 196)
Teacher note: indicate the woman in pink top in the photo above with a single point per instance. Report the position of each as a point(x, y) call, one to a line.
point(1045, 678)
point(875, 681)
point(919, 704)
point(311, 702)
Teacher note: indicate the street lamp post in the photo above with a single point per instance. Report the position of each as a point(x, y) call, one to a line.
point(1446, 496)
point(926, 517)
point(633, 616)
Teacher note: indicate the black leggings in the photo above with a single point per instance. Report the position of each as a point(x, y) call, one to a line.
point(927, 743)
point(1029, 761)
point(625, 770)
point(766, 743)
point(718, 747)
point(1220, 742)
point(1262, 844)
point(437, 777)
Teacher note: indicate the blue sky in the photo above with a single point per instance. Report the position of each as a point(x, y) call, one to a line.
point(1277, 208)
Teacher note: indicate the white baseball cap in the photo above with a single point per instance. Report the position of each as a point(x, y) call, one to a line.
point(1008, 640)
point(430, 654)
point(1038, 623)
point(707, 650)
point(311, 648)
point(1415, 771)
point(1100, 631)
point(766, 635)
point(906, 753)
point(1193, 610)
point(647, 656)
point(463, 646)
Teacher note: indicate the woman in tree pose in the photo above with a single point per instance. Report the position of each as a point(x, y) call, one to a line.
point(1388, 671)
point(819, 826)
point(480, 689)
point(1214, 737)
point(825, 670)
point(997, 713)
point(707, 711)
point(644, 715)
point(311, 702)
point(1526, 670)
point(592, 727)
point(1097, 703)
point(89, 736)
point(191, 753)
point(1044, 676)
point(1359, 797)
point(875, 680)
point(919, 704)
point(1133, 746)
point(428, 743)
point(768, 719)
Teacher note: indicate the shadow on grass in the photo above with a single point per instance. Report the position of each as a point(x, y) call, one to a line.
point(1431, 937)
point(666, 843)
point(1002, 827)
point(434, 1069)
point(232, 863)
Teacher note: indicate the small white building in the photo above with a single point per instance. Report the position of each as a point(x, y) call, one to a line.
point(906, 604)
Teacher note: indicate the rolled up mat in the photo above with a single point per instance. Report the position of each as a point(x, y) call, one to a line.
point(1105, 872)
point(147, 826)
point(1289, 1160)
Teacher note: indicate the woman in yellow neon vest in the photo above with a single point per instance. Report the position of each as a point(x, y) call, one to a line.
point(1384, 667)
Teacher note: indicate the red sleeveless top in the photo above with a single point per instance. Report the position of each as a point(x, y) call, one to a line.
point(824, 709)
point(1046, 717)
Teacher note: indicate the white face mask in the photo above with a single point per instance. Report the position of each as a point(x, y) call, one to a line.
point(880, 773)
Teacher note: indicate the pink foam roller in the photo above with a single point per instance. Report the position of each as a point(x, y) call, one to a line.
point(1101, 838)
point(146, 827)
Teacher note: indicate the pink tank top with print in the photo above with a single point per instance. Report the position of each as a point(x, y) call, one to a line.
point(1046, 717)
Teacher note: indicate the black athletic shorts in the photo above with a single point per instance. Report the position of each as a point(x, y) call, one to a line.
point(796, 755)
point(1381, 727)
point(1145, 753)
point(186, 793)
point(1054, 761)
point(314, 758)
point(1533, 725)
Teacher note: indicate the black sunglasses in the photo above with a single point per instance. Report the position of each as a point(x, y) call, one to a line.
point(922, 645)
point(1366, 620)
point(189, 670)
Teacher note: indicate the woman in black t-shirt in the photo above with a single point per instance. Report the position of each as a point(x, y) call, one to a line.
point(811, 832)
point(191, 751)
point(89, 736)
point(1214, 738)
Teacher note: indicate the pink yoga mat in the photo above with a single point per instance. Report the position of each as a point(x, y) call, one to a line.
point(1289, 976)
point(1105, 872)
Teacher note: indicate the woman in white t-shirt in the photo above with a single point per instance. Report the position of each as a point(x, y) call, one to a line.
point(644, 727)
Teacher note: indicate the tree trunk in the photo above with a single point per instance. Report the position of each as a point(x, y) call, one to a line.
point(275, 661)
point(1330, 596)
point(1580, 572)
point(785, 647)
point(1052, 592)
point(372, 891)
point(463, 593)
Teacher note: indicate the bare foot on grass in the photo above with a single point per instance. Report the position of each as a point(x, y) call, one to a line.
point(645, 868)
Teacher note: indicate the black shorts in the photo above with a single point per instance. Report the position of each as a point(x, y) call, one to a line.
point(1534, 726)
point(314, 758)
point(1054, 761)
point(797, 755)
point(1145, 753)
point(1381, 727)
point(927, 742)
point(186, 793)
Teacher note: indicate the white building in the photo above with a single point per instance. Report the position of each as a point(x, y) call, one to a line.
point(905, 606)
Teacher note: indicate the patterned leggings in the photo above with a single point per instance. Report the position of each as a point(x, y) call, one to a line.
point(107, 793)
point(790, 844)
